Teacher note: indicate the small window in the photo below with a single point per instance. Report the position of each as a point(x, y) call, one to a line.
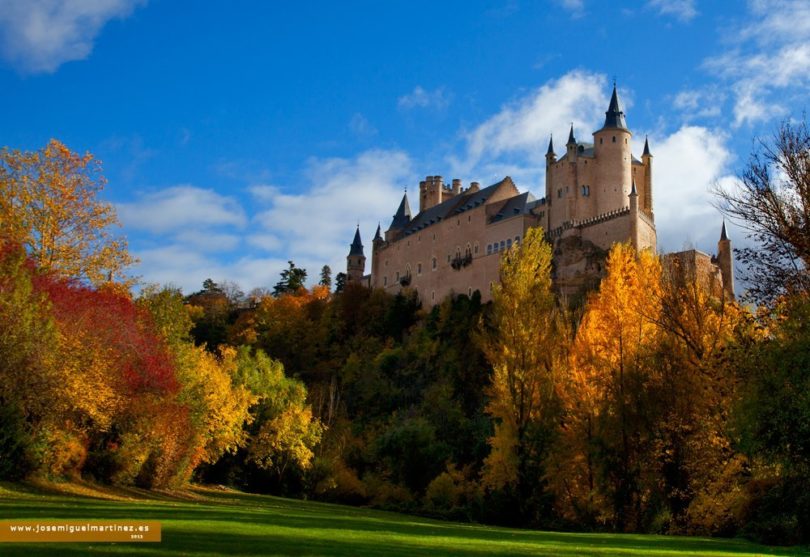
point(625, 141)
point(489, 249)
point(433, 295)
point(503, 245)
point(517, 239)
point(458, 222)
point(508, 243)
point(435, 263)
point(385, 281)
point(614, 139)
point(397, 275)
point(475, 249)
point(559, 193)
point(418, 268)
point(469, 218)
point(600, 141)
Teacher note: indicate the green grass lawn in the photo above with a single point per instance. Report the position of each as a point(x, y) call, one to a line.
point(220, 522)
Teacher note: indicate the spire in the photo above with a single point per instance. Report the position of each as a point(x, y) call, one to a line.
point(357, 245)
point(633, 191)
point(550, 146)
point(723, 235)
point(646, 152)
point(403, 216)
point(614, 117)
point(377, 235)
point(571, 136)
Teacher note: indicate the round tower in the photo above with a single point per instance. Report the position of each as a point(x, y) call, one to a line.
point(613, 154)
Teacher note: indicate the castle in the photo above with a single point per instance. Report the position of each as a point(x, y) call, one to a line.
point(596, 194)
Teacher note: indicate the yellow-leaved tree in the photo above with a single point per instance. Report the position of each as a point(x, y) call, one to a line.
point(526, 342)
point(597, 466)
point(49, 204)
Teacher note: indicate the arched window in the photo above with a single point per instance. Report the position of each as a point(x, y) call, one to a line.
point(435, 263)
point(508, 243)
point(489, 249)
point(614, 139)
point(503, 245)
point(475, 248)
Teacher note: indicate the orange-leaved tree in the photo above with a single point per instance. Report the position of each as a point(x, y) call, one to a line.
point(49, 204)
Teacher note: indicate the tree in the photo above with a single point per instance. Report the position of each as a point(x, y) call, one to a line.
point(526, 344)
point(292, 280)
point(612, 365)
point(326, 277)
point(49, 204)
point(771, 201)
point(340, 282)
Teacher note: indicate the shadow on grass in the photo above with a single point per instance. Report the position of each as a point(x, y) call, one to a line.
point(239, 524)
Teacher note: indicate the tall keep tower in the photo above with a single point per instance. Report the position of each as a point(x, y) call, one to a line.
point(612, 147)
point(356, 260)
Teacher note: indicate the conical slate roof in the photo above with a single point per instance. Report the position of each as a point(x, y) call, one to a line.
point(403, 216)
point(723, 235)
point(646, 147)
point(377, 235)
point(571, 136)
point(357, 245)
point(614, 117)
point(550, 146)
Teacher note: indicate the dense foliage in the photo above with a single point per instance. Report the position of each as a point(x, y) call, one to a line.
point(657, 406)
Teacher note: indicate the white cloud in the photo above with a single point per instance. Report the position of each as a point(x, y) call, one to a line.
point(318, 223)
point(683, 10)
point(180, 208)
point(438, 98)
point(575, 7)
point(522, 127)
point(361, 127)
point(37, 36)
point(686, 165)
point(768, 62)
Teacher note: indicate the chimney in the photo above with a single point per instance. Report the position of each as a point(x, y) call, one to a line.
point(456, 186)
point(474, 187)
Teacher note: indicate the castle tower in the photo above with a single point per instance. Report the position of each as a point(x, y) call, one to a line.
point(725, 262)
point(612, 148)
point(571, 145)
point(646, 159)
point(634, 239)
point(356, 260)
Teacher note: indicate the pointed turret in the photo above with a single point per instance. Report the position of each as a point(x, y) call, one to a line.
point(646, 152)
point(571, 145)
point(614, 117)
point(550, 146)
point(633, 191)
point(377, 235)
point(571, 140)
point(725, 262)
point(356, 260)
point(357, 245)
point(403, 214)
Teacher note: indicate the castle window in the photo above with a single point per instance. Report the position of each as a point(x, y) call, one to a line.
point(385, 281)
point(469, 218)
point(614, 139)
point(600, 141)
point(435, 263)
point(503, 245)
point(559, 193)
point(418, 268)
point(489, 249)
point(397, 275)
point(433, 295)
point(434, 236)
point(475, 249)
point(625, 141)
point(508, 243)
point(517, 239)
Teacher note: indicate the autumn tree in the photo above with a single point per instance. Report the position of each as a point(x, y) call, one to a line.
point(49, 204)
point(526, 343)
point(612, 368)
point(771, 201)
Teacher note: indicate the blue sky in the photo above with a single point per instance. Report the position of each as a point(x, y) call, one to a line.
point(238, 135)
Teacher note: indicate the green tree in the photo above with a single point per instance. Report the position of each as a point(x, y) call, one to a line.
point(326, 277)
point(292, 280)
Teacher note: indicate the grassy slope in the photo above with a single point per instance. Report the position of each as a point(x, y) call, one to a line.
point(216, 522)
